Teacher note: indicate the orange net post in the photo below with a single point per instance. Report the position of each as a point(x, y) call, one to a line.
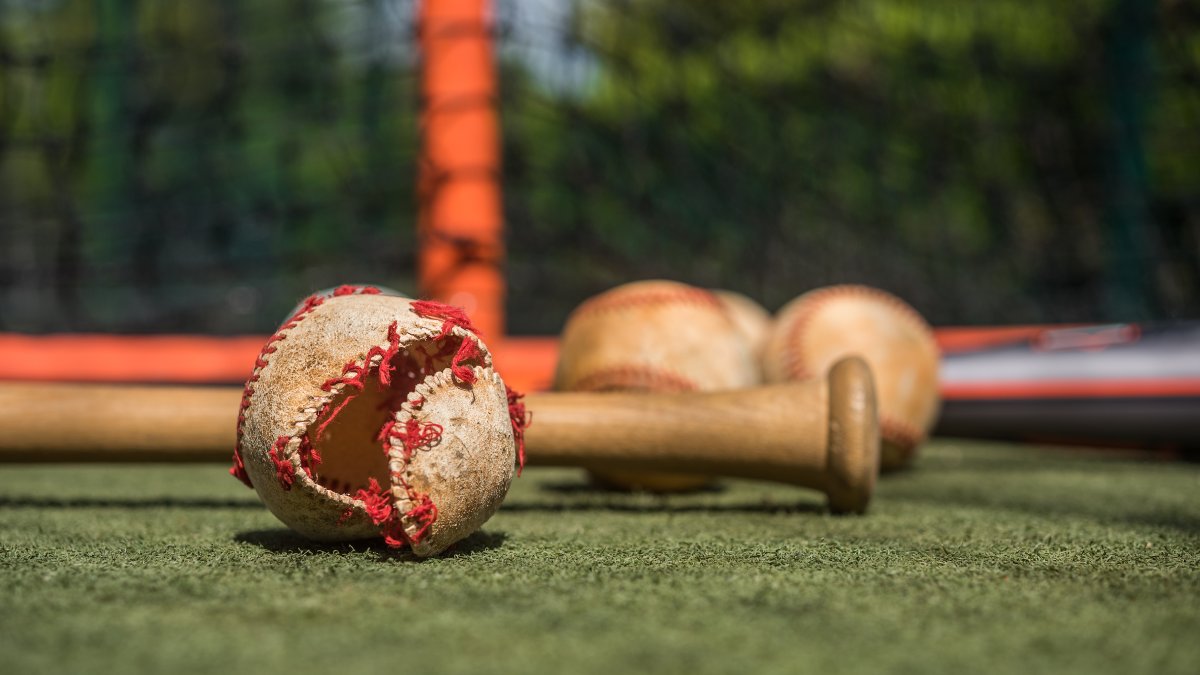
point(461, 226)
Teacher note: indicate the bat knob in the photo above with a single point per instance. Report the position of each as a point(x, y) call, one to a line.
point(854, 442)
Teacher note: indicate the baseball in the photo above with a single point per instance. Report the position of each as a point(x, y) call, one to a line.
point(658, 336)
point(816, 329)
point(370, 415)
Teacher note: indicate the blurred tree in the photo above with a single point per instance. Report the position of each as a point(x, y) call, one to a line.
point(196, 166)
point(958, 154)
point(173, 165)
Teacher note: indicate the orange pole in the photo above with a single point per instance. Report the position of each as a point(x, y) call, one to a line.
point(460, 222)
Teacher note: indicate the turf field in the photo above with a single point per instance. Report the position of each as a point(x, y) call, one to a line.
point(987, 558)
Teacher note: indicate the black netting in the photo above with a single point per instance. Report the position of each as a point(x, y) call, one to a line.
point(196, 166)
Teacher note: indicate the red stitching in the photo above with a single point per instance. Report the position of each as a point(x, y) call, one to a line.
point(378, 503)
point(414, 436)
point(379, 507)
point(238, 470)
point(793, 349)
point(351, 290)
point(520, 419)
point(467, 351)
point(310, 457)
point(355, 373)
point(450, 315)
point(284, 471)
point(904, 435)
point(425, 513)
point(619, 298)
point(633, 377)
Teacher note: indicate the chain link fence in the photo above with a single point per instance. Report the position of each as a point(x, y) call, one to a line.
point(168, 165)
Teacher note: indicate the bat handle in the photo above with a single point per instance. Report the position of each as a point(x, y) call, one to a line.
point(821, 433)
point(53, 422)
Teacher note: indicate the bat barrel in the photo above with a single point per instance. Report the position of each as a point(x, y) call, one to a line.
point(821, 433)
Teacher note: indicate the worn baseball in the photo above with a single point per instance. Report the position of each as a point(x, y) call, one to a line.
point(752, 320)
point(369, 415)
point(816, 329)
point(658, 336)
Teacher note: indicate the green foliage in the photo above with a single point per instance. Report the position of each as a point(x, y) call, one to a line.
point(199, 166)
point(196, 166)
point(956, 153)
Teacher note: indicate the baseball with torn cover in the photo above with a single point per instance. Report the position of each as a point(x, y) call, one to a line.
point(369, 414)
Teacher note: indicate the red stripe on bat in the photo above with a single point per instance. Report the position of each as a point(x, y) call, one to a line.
point(1098, 388)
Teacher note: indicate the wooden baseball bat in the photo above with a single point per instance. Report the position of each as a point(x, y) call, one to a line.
point(820, 433)
point(114, 423)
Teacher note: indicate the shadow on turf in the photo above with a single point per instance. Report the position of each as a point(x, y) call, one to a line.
point(662, 506)
point(1048, 505)
point(127, 503)
point(570, 487)
point(591, 497)
point(280, 540)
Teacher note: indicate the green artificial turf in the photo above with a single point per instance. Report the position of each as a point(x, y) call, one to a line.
point(985, 558)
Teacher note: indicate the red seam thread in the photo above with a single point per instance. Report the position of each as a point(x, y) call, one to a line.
point(351, 290)
point(468, 350)
point(794, 352)
point(633, 377)
point(450, 315)
point(425, 513)
point(378, 502)
point(284, 471)
point(355, 373)
point(412, 437)
point(238, 470)
point(379, 507)
point(310, 457)
point(375, 502)
point(904, 435)
point(520, 419)
point(621, 298)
